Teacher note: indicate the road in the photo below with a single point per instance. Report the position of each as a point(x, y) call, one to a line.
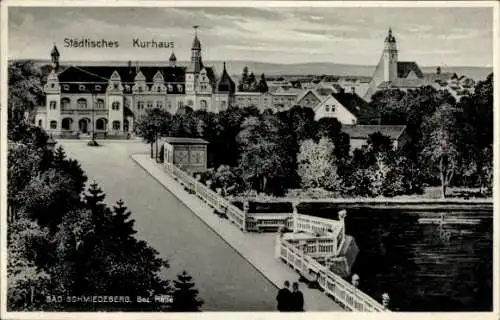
point(225, 280)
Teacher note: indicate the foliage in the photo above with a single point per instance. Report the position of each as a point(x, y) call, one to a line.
point(248, 82)
point(25, 89)
point(441, 148)
point(185, 296)
point(317, 167)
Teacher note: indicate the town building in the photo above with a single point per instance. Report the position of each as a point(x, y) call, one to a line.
point(348, 107)
point(390, 73)
point(107, 100)
point(359, 134)
point(189, 154)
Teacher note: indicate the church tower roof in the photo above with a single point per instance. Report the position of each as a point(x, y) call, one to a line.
point(54, 52)
point(390, 38)
point(172, 57)
point(226, 84)
point(196, 42)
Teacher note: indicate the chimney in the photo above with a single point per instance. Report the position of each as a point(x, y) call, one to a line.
point(129, 66)
point(438, 70)
point(137, 67)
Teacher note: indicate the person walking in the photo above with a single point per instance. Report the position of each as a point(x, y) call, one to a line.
point(284, 297)
point(297, 301)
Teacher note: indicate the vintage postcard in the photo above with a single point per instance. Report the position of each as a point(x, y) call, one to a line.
point(256, 157)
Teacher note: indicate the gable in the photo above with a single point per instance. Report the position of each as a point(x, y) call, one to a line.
point(309, 98)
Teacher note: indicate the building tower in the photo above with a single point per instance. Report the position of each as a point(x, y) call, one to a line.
point(54, 54)
point(172, 60)
point(196, 52)
point(225, 91)
point(390, 57)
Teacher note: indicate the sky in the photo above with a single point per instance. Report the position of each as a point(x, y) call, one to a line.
point(430, 36)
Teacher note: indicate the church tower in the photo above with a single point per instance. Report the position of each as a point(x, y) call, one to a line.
point(54, 54)
point(390, 57)
point(196, 52)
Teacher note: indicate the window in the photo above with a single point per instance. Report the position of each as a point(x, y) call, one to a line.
point(203, 87)
point(52, 85)
point(116, 125)
point(203, 105)
point(159, 89)
point(333, 108)
point(180, 103)
point(115, 105)
point(115, 86)
point(223, 104)
point(53, 124)
point(169, 105)
point(140, 105)
point(327, 108)
point(65, 103)
point(53, 105)
point(100, 104)
point(39, 123)
point(190, 103)
point(150, 104)
point(159, 104)
point(139, 89)
point(82, 103)
point(81, 87)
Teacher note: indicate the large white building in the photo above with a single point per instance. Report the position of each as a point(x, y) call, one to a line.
point(84, 99)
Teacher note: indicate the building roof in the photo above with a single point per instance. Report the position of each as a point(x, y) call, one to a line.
point(181, 140)
point(405, 67)
point(226, 84)
point(364, 131)
point(403, 83)
point(127, 74)
point(352, 102)
point(172, 57)
point(441, 77)
point(196, 43)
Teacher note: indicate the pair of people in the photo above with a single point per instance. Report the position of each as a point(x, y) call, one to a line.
point(290, 300)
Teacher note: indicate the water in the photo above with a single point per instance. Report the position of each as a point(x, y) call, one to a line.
point(419, 269)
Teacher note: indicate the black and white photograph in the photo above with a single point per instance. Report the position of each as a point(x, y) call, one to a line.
point(257, 157)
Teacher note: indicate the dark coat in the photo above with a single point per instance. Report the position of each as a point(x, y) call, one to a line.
point(297, 301)
point(284, 296)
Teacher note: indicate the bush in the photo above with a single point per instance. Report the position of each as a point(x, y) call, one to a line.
point(93, 143)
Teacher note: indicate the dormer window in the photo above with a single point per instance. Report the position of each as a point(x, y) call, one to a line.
point(170, 88)
point(158, 89)
point(179, 88)
point(66, 87)
point(97, 87)
point(81, 87)
point(140, 89)
point(52, 85)
point(115, 86)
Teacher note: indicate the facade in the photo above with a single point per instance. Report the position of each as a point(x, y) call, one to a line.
point(85, 99)
point(189, 154)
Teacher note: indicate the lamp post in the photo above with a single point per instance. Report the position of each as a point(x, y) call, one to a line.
point(157, 125)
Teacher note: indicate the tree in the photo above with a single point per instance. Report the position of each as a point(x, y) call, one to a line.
point(151, 125)
point(262, 153)
point(228, 179)
point(262, 84)
point(25, 89)
point(317, 167)
point(440, 144)
point(185, 296)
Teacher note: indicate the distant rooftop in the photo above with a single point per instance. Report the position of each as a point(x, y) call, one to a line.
point(180, 140)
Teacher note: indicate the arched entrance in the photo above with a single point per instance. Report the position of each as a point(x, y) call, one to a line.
point(101, 124)
point(66, 123)
point(83, 125)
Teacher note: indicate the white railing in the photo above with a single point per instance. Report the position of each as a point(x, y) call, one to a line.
point(216, 201)
point(342, 291)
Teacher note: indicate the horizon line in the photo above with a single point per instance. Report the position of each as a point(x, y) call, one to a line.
point(252, 61)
